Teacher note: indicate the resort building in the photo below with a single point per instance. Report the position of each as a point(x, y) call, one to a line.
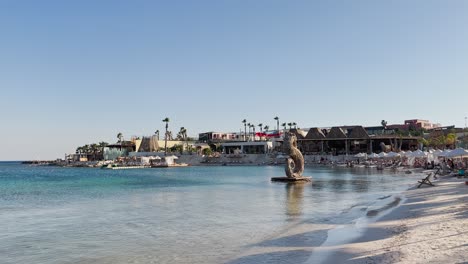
point(415, 124)
point(217, 137)
point(247, 147)
point(351, 140)
point(335, 140)
point(118, 149)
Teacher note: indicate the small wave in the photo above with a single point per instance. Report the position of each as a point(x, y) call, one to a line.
point(375, 212)
point(384, 197)
point(348, 232)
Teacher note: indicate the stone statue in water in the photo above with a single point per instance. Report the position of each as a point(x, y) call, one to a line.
point(295, 162)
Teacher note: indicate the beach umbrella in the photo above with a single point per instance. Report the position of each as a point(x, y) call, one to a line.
point(382, 154)
point(392, 154)
point(373, 156)
point(445, 153)
point(437, 153)
point(360, 155)
point(402, 153)
point(459, 152)
point(417, 154)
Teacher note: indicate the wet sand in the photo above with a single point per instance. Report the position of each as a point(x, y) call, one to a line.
point(430, 226)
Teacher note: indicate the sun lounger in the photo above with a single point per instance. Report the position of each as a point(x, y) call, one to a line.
point(426, 180)
point(438, 172)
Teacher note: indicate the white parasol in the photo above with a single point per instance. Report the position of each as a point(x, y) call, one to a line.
point(360, 155)
point(459, 152)
point(392, 154)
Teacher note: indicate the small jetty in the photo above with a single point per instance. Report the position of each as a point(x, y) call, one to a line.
point(290, 179)
point(113, 167)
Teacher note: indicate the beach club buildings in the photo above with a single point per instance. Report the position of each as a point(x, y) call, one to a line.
point(352, 140)
point(338, 140)
point(232, 143)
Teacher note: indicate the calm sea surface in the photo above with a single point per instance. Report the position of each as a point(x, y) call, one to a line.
point(175, 215)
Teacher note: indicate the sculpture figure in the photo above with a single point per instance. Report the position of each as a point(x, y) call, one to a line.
point(295, 162)
point(385, 148)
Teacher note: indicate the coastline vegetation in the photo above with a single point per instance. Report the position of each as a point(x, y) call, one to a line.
point(94, 149)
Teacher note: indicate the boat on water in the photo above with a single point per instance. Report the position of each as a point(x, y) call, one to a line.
point(165, 162)
point(116, 167)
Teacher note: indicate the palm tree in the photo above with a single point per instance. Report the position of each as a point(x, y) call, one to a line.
point(165, 120)
point(294, 124)
point(79, 150)
point(250, 126)
point(277, 123)
point(157, 134)
point(289, 125)
point(245, 129)
point(261, 130)
point(102, 145)
point(253, 134)
point(384, 124)
point(284, 126)
point(266, 127)
point(120, 137)
point(86, 150)
point(183, 134)
point(94, 148)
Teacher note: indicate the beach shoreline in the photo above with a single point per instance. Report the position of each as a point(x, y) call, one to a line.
point(419, 225)
point(429, 226)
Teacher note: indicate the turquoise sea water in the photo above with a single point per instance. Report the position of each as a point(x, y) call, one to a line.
point(173, 215)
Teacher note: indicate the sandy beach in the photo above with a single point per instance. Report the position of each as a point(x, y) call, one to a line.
point(430, 226)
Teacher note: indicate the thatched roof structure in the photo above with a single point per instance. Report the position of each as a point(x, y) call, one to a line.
point(336, 133)
point(358, 132)
point(300, 134)
point(315, 133)
point(148, 144)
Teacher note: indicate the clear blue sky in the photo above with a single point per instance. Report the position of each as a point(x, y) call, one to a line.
point(78, 72)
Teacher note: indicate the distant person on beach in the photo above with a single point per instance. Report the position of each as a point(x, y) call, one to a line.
point(450, 164)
